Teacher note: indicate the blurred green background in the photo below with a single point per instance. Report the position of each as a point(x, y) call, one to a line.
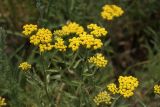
point(134, 38)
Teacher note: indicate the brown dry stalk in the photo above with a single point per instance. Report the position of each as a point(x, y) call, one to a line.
point(58, 98)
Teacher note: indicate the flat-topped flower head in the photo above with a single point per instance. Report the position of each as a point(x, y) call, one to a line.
point(24, 66)
point(45, 47)
point(157, 89)
point(59, 44)
point(96, 30)
point(42, 36)
point(69, 28)
point(90, 42)
point(127, 85)
point(98, 60)
point(42, 39)
point(109, 12)
point(102, 97)
point(2, 102)
point(74, 43)
point(28, 29)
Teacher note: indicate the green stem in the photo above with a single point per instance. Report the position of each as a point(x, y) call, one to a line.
point(74, 58)
point(45, 75)
point(137, 64)
point(151, 88)
point(114, 102)
point(31, 77)
point(140, 101)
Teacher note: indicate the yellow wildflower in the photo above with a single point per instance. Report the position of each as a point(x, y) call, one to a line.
point(60, 33)
point(45, 47)
point(102, 97)
point(127, 85)
point(111, 11)
point(34, 40)
point(25, 66)
point(74, 43)
point(90, 42)
point(99, 60)
point(112, 88)
point(157, 89)
point(28, 29)
point(42, 36)
point(2, 102)
point(60, 44)
point(97, 43)
point(69, 28)
point(96, 30)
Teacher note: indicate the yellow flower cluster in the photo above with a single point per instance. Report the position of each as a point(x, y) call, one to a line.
point(112, 88)
point(60, 44)
point(74, 43)
point(69, 28)
point(43, 37)
point(28, 29)
point(99, 60)
point(2, 102)
point(45, 47)
point(111, 11)
point(157, 89)
point(127, 85)
point(102, 97)
point(96, 30)
point(25, 66)
point(90, 42)
point(85, 40)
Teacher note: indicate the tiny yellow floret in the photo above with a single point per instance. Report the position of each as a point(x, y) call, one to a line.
point(2, 102)
point(25, 66)
point(102, 97)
